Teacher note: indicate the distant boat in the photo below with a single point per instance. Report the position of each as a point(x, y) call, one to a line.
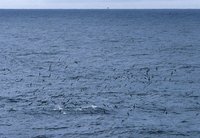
point(107, 8)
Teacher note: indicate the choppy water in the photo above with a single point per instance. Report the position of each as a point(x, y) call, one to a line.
point(99, 73)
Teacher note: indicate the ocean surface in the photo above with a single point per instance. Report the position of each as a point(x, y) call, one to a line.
point(99, 73)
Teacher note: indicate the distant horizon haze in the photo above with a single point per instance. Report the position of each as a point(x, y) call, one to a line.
point(100, 4)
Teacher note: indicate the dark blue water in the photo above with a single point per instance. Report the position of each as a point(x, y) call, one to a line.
point(99, 73)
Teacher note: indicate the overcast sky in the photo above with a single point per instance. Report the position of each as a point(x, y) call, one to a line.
point(88, 4)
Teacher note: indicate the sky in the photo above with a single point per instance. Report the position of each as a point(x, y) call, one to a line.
point(99, 4)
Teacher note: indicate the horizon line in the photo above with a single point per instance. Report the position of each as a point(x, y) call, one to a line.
point(100, 8)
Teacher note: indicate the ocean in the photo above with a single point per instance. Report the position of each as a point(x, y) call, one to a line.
point(99, 73)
